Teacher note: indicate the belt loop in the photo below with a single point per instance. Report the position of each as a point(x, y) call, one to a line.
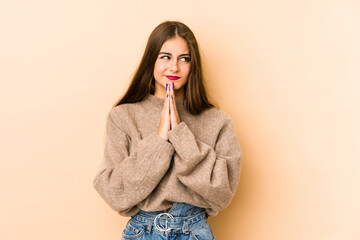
point(149, 222)
point(185, 227)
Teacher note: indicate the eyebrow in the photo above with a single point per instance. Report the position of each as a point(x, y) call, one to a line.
point(187, 54)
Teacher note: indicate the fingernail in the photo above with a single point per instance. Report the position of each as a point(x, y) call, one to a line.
point(173, 85)
point(166, 86)
point(167, 95)
point(172, 97)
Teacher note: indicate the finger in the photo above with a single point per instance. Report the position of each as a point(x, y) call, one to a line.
point(171, 100)
point(171, 108)
point(173, 94)
point(173, 87)
point(168, 96)
point(174, 114)
point(167, 107)
point(172, 90)
point(166, 99)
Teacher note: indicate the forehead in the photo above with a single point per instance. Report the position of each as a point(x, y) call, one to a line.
point(176, 45)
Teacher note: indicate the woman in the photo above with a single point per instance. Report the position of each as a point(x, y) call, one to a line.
point(171, 157)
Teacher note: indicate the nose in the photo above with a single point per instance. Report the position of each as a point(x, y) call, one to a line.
point(174, 65)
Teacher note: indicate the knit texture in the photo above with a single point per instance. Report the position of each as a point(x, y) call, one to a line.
point(199, 165)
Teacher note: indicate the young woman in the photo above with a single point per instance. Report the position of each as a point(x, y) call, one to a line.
point(171, 158)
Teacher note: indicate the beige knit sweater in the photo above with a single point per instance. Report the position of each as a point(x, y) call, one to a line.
point(199, 165)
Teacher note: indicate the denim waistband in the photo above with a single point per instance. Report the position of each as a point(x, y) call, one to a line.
point(165, 222)
point(178, 209)
point(181, 217)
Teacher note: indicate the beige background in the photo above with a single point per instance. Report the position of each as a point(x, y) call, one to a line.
point(287, 72)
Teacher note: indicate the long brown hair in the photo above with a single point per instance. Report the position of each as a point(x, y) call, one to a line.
point(143, 82)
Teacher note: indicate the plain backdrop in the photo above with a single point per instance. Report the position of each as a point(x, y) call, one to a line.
point(287, 72)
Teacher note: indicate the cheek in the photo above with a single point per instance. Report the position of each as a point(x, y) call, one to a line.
point(158, 68)
point(186, 69)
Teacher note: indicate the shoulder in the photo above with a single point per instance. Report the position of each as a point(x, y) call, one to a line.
point(122, 109)
point(122, 113)
point(212, 120)
point(118, 112)
point(217, 115)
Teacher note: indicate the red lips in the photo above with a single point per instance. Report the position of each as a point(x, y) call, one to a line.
point(172, 77)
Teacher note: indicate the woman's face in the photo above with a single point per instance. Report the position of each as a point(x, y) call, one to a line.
point(172, 65)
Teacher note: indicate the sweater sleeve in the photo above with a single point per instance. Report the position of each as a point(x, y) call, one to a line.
point(213, 173)
point(126, 179)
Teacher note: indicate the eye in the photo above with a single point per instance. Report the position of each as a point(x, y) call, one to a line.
point(185, 59)
point(165, 57)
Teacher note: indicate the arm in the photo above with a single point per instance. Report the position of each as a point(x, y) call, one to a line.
point(213, 173)
point(126, 179)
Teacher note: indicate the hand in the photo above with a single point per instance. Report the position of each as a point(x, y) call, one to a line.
point(164, 126)
point(169, 115)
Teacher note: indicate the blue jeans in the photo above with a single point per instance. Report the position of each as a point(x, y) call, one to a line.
point(183, 222)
